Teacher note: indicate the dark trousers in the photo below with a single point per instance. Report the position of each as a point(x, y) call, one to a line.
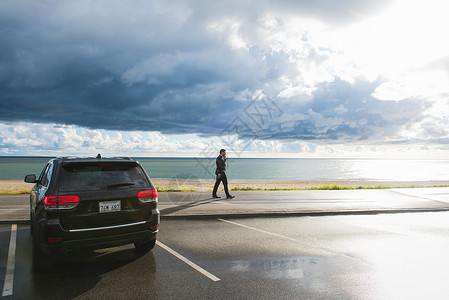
point(223, 179)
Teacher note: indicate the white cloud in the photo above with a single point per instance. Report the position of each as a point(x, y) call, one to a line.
point(49, 139)
point(55, 140)
point(429, 84)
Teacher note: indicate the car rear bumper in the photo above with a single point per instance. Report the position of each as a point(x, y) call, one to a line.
point(99, 242)
point(54, 239)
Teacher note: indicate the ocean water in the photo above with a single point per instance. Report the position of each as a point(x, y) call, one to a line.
point(15, 168)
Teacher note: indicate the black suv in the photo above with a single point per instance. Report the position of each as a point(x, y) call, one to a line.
point(92, 203)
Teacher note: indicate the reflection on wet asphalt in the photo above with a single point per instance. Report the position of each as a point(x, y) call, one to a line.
point(399, 256)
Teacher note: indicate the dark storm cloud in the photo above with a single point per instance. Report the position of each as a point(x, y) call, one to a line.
point(329, 11)
point(343, 112)
point(149, 65)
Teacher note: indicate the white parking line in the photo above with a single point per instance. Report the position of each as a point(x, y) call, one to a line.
point(260, 230)
point(190, 263)
point(10, 265)
point(325, 250)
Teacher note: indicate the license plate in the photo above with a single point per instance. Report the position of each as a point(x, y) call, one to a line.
point(109, 206)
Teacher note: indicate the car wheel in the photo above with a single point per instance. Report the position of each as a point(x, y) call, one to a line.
point(40, 260)
point(31, 224)
point(145, 246)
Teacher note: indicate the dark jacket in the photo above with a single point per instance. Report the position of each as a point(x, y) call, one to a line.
point(221, 165)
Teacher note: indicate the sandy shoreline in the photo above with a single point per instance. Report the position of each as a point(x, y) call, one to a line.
point(207, 185)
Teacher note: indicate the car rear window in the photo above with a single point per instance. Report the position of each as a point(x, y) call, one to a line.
point(101, 176)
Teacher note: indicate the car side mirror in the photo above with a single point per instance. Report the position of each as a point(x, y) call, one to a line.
point(30, 178)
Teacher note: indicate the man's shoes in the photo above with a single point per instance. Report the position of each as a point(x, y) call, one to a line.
point(215, 196)
point(230, 197)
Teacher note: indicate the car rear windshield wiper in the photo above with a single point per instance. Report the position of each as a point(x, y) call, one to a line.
point(119, 184)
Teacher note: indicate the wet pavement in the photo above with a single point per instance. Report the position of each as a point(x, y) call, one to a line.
point(355, 244)
point(382, 256)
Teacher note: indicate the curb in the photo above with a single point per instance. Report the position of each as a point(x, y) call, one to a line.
point(273, 214)
point(297, 214)
point(19, 222)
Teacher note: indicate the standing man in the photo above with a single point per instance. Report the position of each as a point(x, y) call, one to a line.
point(221, 175)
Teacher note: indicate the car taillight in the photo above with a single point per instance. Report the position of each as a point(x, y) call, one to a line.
point(51, 201)
point(54, 239)
point(147, 196)
point(61, 202)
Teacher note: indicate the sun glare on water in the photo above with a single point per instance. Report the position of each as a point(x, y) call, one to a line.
point(400, 170)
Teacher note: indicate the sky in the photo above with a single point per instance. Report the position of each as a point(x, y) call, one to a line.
point(262, 78)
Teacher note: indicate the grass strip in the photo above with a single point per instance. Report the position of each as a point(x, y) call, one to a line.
point(237, 188)
point(174, 190)
point(334, 187)
point(21, 192)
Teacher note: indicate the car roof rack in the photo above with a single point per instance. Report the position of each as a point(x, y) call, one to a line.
point(99, 157)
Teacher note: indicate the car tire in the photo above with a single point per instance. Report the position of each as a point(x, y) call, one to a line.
point(145, 246)
point(40, 260)
point(31, 224)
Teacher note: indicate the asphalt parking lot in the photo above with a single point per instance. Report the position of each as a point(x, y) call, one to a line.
point(309, 244)
point(384, 256)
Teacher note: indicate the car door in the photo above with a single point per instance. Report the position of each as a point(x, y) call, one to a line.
point(38, 192)
point(40, 188)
